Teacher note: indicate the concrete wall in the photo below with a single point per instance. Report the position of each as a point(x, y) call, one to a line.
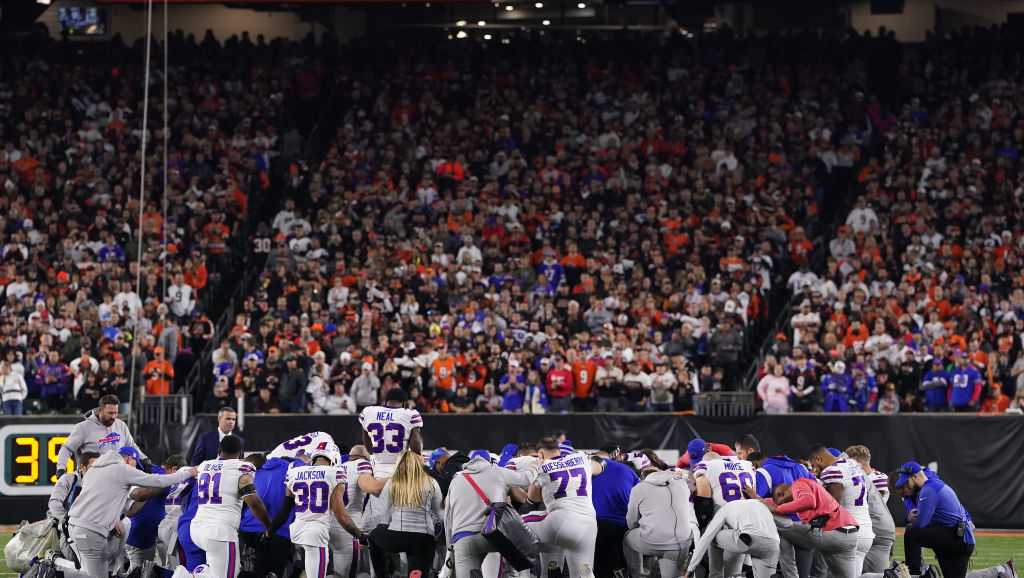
point(918, 18)
point(195, 19)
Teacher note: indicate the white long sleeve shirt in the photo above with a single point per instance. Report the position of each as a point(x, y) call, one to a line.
point(747, 516)
point(14, 387)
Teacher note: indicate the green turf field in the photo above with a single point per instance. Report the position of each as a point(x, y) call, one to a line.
point(992, 550)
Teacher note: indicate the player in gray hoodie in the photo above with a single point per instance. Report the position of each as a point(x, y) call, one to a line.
point(97, 511)
point(661, 522)
point(466, 511)
point(99, 432)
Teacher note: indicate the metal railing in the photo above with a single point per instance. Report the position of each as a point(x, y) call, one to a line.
point(725, 404)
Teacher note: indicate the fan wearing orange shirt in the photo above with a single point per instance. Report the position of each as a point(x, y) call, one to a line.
point(857, 332)
point(159, 373)
point(443, 369)
point(583, 372)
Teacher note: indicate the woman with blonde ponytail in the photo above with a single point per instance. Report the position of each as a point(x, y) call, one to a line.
point(411, 500)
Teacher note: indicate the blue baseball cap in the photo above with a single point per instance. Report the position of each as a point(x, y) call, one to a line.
point(565, 448)
point(696, 448)
point(480, 454)
point(907, 470)
point(835, 453)
point(436, 455)
point(130, 452)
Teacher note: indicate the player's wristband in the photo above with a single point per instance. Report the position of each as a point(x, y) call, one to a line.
point(246, 490)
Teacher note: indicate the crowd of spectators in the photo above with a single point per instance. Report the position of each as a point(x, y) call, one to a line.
point(920, 305)
point(78, 314)
point(546, 226)
point(543, 227)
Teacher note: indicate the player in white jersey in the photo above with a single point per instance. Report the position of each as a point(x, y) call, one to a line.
point(738, 529)
point(845, 480)
point(389, 430)
point(316, 494)
point(360, 485)
point(879, 479)
point(564, 483)
point(722, 478)
point(882, 524)
point(167, 531)
point(303, 445)
point(221, 487)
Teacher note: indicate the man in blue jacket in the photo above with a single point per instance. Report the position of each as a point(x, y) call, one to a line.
point(610, 494)
point(909, 496)
point(939, 522)
point(274, 554)
point(771, 473)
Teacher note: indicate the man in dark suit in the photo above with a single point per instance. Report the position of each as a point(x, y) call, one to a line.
point(208, 444)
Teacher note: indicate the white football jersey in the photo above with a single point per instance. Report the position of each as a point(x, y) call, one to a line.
point(881, 483)
point(523, 463)
point(727, 477)
point(303, 445)
point(312, 487)
point(389, 430)
point(566, 484)
point(174, 501)
point(854, 498)
point(219, 509)
point(355, 498)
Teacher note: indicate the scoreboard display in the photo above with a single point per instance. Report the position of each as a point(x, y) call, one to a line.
point(28, 455)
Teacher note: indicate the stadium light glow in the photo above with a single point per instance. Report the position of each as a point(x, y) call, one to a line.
point(43, 2)
point(461, 34)
point(460, 23)
point(546, 22)
point(581, 5)
point(481, 23)
point(509, 8)
point(487, 36)
point(538, 5)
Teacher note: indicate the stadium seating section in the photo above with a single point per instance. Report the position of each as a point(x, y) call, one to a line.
point(545, 226)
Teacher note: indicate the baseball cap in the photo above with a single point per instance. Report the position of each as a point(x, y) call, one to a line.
point(906, 470)
point(835, 452)
point(436, 455)
point(696, 448)
point(130, 452)
point(480, 454)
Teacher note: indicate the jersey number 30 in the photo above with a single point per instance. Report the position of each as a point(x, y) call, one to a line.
point(311, 496)
point(395, 433)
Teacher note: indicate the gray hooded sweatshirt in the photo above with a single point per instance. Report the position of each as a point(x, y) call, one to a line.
point(90, 435)
point(105, 490)
point(464, 510)
point(659, 506)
